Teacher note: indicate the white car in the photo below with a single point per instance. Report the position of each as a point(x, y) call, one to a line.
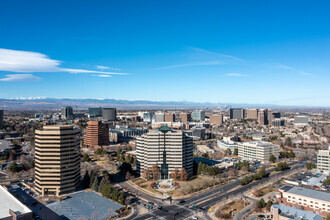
point(194, 217)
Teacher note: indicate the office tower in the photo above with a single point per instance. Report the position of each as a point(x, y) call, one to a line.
point(97, 134)
point(263, 117)
point(323, 161)
point(109, 114)
point(169, 117)
point(67, 112)
point(236, 113)
point(95, 111)
point(216, 119)
point(252, 114)
point(1, 119)
point(159, 117)
point(185, 117)
point(148, 116)
point(165, 148)
point(278, 122)
point(198, 115)
point(57, 159)
point(301, 120)
point(276, 115)
point(257, 150)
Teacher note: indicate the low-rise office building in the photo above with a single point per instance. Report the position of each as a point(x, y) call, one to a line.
point(11, 208)
point(257, 150)
point(227, 143)
point(306, 199)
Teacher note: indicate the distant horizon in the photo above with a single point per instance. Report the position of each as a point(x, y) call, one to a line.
point(174, 103)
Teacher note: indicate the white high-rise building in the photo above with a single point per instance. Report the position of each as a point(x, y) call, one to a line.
point(166, 148)
point(257, 150)
point(323, 161)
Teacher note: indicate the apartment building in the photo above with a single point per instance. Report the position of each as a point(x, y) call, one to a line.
point(166, 148)
point(307, 199)
point(257, 150)
point(57, 159)
point(97, 134)
point(323, 161)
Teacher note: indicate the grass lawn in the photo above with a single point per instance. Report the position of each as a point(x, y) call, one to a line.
point(145, 184)
point(264, 191)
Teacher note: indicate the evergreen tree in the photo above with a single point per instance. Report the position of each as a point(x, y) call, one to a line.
point(95, 185)
point(268, 205)
point(236, 151)
point(121, 198)
point(103, 181)
point(106, 191)
point(272, 158)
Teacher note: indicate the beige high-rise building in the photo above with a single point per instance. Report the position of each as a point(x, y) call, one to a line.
point(252, 114)
point(166, 148)
point(185, 117)
point(216, 119)
point(169, 117)
point(57, 159)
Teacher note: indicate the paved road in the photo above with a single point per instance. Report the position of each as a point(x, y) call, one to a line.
point(206, 199)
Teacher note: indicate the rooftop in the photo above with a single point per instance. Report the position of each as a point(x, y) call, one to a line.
point(315, 194)
point(296, 214)
point(84, 204)
point(8, 201)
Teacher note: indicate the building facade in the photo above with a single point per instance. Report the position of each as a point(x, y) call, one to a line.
point(95, 112)
point(323, 161)
point(236, 113)
point(216, 119)
point(258, 150)
point(278, 122)
point(301, 120)
point(67, 112)
point(169, 117)
point(198, 115)
point(307, 199)
point(263, 117)
point(109, 114)
point(159, 117)
point(185, 117)
point(57, 160)
point(252, 114)
point(167, 149)
point(97, 134)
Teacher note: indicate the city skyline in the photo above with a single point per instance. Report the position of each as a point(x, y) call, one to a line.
point(219, 52)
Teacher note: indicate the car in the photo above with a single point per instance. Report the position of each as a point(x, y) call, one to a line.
point(182, 201)
point(194, 217)
point(159, 206)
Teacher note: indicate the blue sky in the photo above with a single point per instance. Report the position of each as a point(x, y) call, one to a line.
point(262, 52)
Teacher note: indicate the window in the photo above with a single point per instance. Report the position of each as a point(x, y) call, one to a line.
point(289, 196)
point(312, 202)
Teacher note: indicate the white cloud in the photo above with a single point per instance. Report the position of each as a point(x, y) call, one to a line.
point(20, 77)
point(294, 69)
point(103, 75)
point(208, 63)
point(107, 68)
point(26, 61)
point(236, 74)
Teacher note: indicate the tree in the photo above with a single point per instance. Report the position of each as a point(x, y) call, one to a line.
point(183, 174)
point(146, 173)
point(228, 151)
point(86, 180)
point(103, 181)
point(128, 159)
point(106, 190)
point(95, 185)
point(326, 182)
point(119, 155)
point(272, 158)
point(281, 166)
point(155, 172)
point(310, 166)
point(175, 174)
point(13, 167)
point(86, 158)
point(291, 154)
point(236, 151)
point(121, 198)
point(261, 203)
point(31, 164)
point(268, 205)
point(262, 172)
